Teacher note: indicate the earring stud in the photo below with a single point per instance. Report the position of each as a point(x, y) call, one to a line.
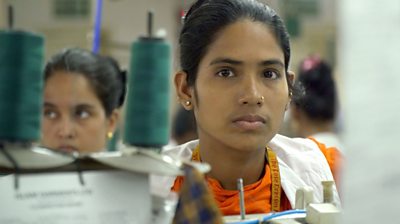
point(110, 135)
point(187, 103)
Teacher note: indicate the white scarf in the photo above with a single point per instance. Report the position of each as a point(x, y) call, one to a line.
point(301, 164)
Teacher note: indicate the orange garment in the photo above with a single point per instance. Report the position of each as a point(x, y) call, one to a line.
point(257, 195)
point(334, 158)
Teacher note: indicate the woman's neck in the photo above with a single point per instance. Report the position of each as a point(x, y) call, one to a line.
point(229, 163)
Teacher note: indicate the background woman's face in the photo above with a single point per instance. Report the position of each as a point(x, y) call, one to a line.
point(73, 116)
point(241, 87)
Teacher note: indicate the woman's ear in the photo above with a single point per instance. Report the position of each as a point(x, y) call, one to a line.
point(183, 90)
point(291, 77)
point(113, 120)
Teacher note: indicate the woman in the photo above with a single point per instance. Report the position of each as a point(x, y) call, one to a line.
point(234, 59)
point(183, 127)
point(82, 96)
point(314, 113)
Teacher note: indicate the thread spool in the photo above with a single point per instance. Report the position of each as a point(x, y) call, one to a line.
point(148, 92)
point(21, 86)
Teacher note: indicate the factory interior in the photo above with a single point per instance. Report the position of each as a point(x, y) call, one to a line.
point(104, 115)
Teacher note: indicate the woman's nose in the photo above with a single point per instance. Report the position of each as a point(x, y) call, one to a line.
point(66, 129)
point(251, 92)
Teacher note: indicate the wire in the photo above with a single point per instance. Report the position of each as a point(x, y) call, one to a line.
point(79, 170)
point(97, 27)
point(14, 164)
point(252, 221)
point(280, 214)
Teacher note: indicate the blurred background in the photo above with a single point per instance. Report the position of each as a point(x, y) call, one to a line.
point(66, 23)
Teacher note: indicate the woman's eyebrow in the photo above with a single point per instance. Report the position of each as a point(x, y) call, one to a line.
point(48, 104)
point(225, 61)
point(84, 106)
point(272, 62)
point(276, 62)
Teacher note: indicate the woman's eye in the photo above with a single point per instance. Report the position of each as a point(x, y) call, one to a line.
point(50, 114)
point(82, 114)
point(270, 74)
point(225, 73)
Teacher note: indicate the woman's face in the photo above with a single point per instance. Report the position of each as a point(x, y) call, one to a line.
point(73, 116)
point(241, 90)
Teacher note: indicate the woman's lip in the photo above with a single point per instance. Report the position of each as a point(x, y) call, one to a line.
point(250, 118)
point(67, 148)
point(249, 125)
point(249, 122)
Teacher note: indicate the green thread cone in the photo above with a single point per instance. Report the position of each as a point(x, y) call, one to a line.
point(21, 86)
point(148, 94)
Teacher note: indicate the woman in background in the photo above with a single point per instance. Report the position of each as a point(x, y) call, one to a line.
point(314, 113)
point(234, 57)
point(183, 126)
point(82, 96)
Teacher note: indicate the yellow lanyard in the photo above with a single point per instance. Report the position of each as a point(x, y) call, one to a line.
point(275, 176)
point(275, 180)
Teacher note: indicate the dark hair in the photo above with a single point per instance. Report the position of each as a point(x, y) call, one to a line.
point(103, 73)
point(206, 17)
point(319, 101)
point(184, 122)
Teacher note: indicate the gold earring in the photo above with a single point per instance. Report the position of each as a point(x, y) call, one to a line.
point(290, 94)
point(110, 135)
point(187, 103)
point(262, 98)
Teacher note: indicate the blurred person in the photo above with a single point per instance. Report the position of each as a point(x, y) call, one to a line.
point(83, 92)
point(313, 114)
point(184, 126)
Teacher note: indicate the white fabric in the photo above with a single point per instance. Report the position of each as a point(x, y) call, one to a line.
point(330, 139)
point(301, 164)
